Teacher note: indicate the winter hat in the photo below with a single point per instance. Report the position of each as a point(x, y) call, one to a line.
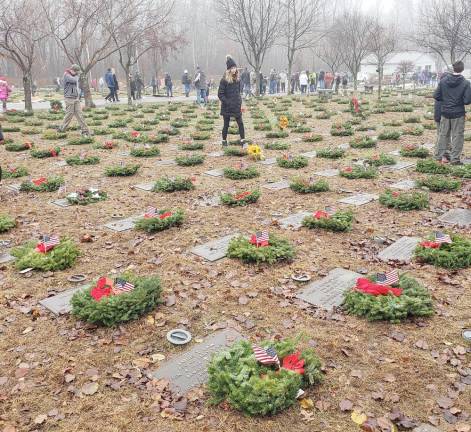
point(230, 63)
point(75, 67)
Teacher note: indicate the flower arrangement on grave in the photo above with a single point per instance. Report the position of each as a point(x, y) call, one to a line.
point(381, 159)
point(81, 140)
point(158, 220)
point(235, 151)
point(357, 172)
point(169, 131)
point(330, 219)
point(363, 142)
point(341, 129)
point(200, 136)
point(431, 166)
point(145, 151)
point(393, 123)
point(111, 302)
point(240, 198)
point(355, 107)
point(413, 130)
point(6, 223)
point(189, 145)
point(54, 135)
point(255, 152)
point(413, 150)
point(296, 162)
point(305, 186)
point(107, 145)
point(86, 196)
point(439, 184)
point(167, 184)
point(283, 122)
point(195, 159)
point(56, 105)
point(443, 250)
point(277, 134)
point(49, 254)
point(47, 153)
point(404, 200)
point(122, 170)
point(42, 184)
point(277, 145)
point(388, 296)
point(260, 126)
point(312, 137)
point(82, 159)
point(156, 138)
point(260, 248)
point(262, 379)
point(241, 172)
point(330, 153)
point(13, 147)
point(389, 135)
point(15, 172)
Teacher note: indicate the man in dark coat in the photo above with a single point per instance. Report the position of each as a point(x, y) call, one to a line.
point(453, 92)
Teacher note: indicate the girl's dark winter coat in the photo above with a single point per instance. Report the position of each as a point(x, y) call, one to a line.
point(231, 100)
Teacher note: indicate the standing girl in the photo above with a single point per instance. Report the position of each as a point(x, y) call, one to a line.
point(5, 91)
point(231, 100)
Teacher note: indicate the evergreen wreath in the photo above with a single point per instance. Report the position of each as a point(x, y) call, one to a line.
point(145, 152)
point(277, 250)
point(82, 160)
point(277, 146)
point(81, 140)
point(192, 146)
point(235, 151)
point(61, 257)
point(112, 310)
point(358, 172)
point(414, 301)
point(195, 159)
point(453, 256)
point(277, 134)
point(312, 138)
point(167, 184)
point(237, 377)
point(13, 147)
point(164, 220)
point(241, 173)
point(156, 138)
point(54, 135)
point(169, 131)
point(107, 145)
point(338, 222)
point(200, 136)
point(431, 166)
point(50, 184)
point(303, 186)
point(413, 130)
point(381, 160)
point(439, 184)
point(404, 200)
point(140, 127)
point(86, 197)
point(339, 129)
point(100, 131)
point(121, 171)
point(363, 142)
point(6, 223)
point(330, 153)
point(389, 135)
point(240, 199)
point(15, 172)
point(414, 151)
point(462, 171)
point(296, 162)
point(301, 129)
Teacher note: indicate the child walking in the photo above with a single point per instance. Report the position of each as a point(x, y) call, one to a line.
point(5, 91)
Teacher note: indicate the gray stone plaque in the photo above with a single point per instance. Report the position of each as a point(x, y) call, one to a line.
point(359, 199)
point(125, 153)
point(328, 173)
point(215, 249)
point(404, 185)
point(123, 224)
point(60, 303)
point(189, 369)
point(269, 161)
point(426, 428)
point(216, 154)
point(328, 292)
point(15, 187)
point(61, 202)
point(145, 186)
point(6, 258)
point(283, 184)
point(395, 153)
point(166, 162)
point(399, 166)
point(294, 220)
point(460, 217)
point(401, 250)
point(215, 172)
point(60, 163)
point(344, 146)
point(309, 154)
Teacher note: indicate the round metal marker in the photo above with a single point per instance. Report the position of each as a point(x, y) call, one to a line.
point(467, 334)
point(77, 278)
point(301, 277)
point(179, 336)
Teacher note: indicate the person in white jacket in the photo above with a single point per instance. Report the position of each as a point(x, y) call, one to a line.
point(303, 82)
point(283, 81)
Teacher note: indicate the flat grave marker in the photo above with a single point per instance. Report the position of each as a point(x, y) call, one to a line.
point(404, 185)
point(328, 292)
point(166, 162)
point(189, 369)
point(460, 217)
point(332, 172)
point(216, 154)
point(344, 146)
point(310, 154)
point(401, 250)
point(395, 153)
point(61, 202)
point(5, 257)
point(60, 303)
point(219, 172)
point(359, 199)
point(15, 187)
point(145, 186)
point(123, 224)
point(269, 161)
point(215, 249)
point(60, 163)
point(283, 184)
point(293, 221)
point(400, 165)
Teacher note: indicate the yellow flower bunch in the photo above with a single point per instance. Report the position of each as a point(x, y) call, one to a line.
point(255, 152)
point(283, 122)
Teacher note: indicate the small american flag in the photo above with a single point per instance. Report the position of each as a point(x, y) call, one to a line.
point(151, 212)
point(389, 278)
point(50, 241)
point(441, 237)
point(266, 356)
point(121, 286)
point(262, 236)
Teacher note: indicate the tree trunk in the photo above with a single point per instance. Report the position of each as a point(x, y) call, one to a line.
point(85, 86)
point(128, 85)
point(290, 68)
point(27, 91)
point(380, 80)
point(403, 82)
point(257, 79)
point(355, 81)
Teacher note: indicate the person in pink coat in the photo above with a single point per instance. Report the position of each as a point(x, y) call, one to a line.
point(5, 91)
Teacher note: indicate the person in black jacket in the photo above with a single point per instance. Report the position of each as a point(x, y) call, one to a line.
point(453, 92)
point(437, 115)
point(231, 100)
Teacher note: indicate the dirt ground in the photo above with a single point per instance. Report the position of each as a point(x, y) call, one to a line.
point(419, 367)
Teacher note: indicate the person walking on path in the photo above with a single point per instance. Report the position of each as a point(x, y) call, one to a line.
point(5, 91)
point(231, 100)
point(168, 85)
point(110, 84)
point(312, 82)
point(116, 85)
point(186, 82)
point(139, 85)
point(153, 84)
point(200, 86)
point(303, 81)
point(72, 101)
point(321, 82)
point(283, 81)
point(101, 84)
point(453, 93)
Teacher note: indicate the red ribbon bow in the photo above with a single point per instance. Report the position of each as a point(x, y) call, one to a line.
point(430, 244)
point(241, 195)
point(294, 363)
point(135, 134)
point(165, 215)
point(320, 214)
point(253, 240)
point(347, 169)
point(53, 152)
point(39, 181)
point(367, 287)
point(356, 105)
point(103, 288)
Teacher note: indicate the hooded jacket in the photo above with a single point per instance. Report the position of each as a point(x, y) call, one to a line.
point(453, 92)
point(109, 79)
point(71, 85)
point(229, 95)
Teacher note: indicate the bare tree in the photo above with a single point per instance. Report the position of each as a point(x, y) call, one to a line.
point(405, 67)
point(300, 27)
point(383, 43)
point(352, 31)
point(328, 51)
point(21, 31)
point(444, 28)
point(254, 24)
